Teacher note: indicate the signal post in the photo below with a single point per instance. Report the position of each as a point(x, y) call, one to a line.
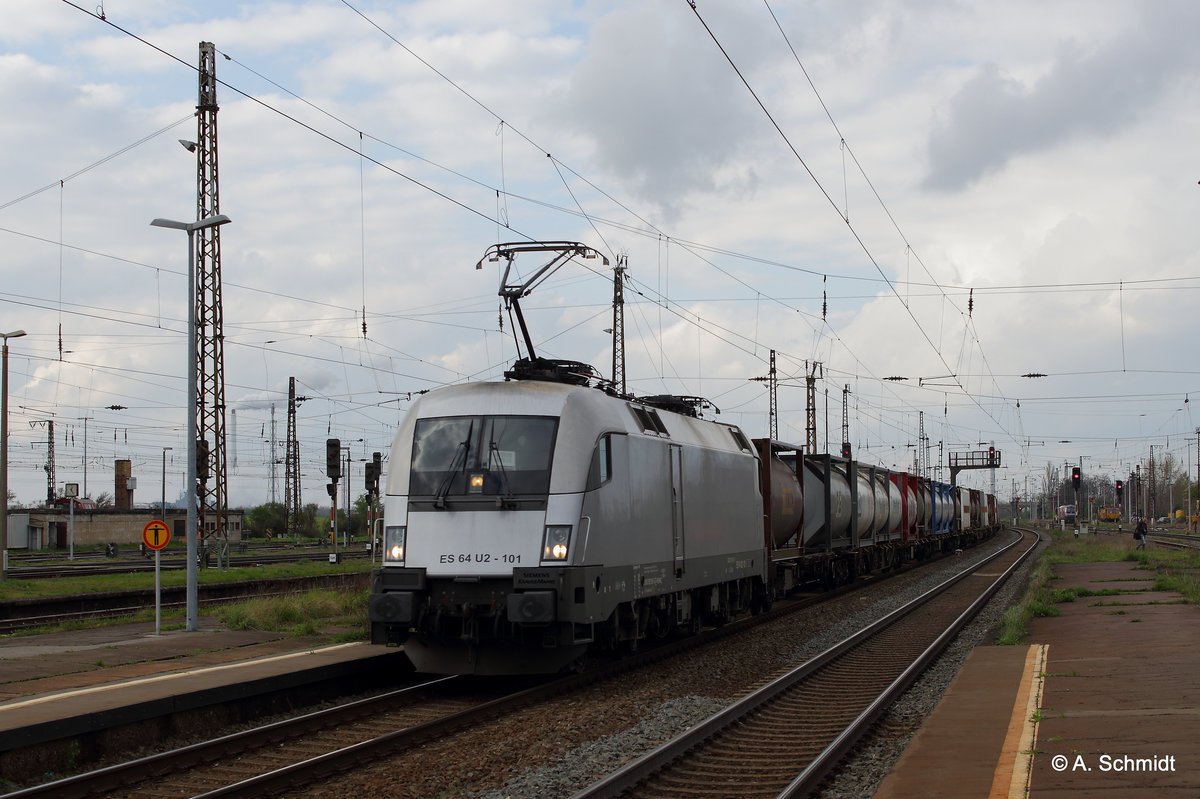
point(156, 535)
point(333, 468)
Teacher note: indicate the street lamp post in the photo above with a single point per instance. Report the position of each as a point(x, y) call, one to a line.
point(193, 574)
point(4, 457)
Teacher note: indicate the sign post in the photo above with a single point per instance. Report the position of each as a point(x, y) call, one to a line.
point(157, 535)
point(72, 491)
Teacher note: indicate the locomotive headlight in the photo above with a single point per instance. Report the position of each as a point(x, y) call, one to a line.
point(476, 483)
point(555, 542)
point(393, 544)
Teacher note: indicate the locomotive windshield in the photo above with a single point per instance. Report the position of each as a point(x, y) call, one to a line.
point(488, 455)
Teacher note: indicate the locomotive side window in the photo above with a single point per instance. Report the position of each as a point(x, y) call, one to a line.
point(489, 455)
point(601, 470)
point(740, 438)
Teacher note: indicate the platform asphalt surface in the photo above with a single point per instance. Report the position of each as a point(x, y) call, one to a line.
point(59, 685)
point(1105, 702)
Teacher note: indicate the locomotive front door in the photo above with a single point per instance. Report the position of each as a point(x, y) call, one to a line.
point(677, 542)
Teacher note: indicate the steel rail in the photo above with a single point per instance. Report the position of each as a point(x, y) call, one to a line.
point(132, 772)
point(806, 782)
point(628, 777)
point(348, 757)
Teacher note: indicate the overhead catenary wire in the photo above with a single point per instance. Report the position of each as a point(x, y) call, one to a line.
point(854, 233)
point(592, 220)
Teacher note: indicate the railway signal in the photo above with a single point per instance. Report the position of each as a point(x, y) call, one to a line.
point(202, 473)
point(333, 458)
point(374, 468)
point(1120, 491)
point(1075, 477)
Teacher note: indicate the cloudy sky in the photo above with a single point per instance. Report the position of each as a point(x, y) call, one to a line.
point(954, 193)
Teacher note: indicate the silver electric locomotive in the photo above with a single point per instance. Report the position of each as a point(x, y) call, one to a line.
point(527, 521)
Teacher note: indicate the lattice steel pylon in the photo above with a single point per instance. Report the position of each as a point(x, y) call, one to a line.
point(810, 409)
point(291, 469)
point(618, 324)
point(846, 421)
point(49, 467)
point(50, 464)
point(772, 382)
point(212, 503)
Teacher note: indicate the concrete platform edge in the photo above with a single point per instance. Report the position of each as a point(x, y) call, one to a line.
point(82, 724)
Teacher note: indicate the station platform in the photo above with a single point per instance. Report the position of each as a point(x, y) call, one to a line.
point(1104, 703)
point(125, 681)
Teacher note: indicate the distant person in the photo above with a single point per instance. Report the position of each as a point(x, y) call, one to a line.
point(1139, 533)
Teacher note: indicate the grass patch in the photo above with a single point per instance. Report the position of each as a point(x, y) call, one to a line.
point(1036, 603)
point(1175, 570)
point(297, 615)
point(1075, 592)
point(100, 583)
point(1178, 576)
point(302, 614)
point(1065, 548)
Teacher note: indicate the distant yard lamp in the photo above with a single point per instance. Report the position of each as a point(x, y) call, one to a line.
point(193, 574)
point(4, 458)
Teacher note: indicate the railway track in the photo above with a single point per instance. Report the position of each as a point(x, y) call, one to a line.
point(24, 614)
point(1174, 540)
point(781, 740)
point(295, 752)
point(54, 568)
point(311, 749)
point(219, 766)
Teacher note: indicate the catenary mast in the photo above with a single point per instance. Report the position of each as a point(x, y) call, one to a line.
point(212, 498)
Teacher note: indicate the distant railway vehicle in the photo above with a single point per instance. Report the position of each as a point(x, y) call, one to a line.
point(1112, 514)
point(1065, 513)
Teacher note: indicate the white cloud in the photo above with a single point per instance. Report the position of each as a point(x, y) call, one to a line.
point(1008, 155)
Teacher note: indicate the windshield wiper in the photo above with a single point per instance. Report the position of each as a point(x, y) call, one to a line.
point(464, 448)
point(495, 451)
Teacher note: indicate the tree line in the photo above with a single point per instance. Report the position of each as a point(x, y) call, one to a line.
point(269, 520)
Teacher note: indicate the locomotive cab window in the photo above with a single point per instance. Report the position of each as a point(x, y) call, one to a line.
point(482, 455)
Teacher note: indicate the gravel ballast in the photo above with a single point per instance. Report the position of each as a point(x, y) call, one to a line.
point(557, 749)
